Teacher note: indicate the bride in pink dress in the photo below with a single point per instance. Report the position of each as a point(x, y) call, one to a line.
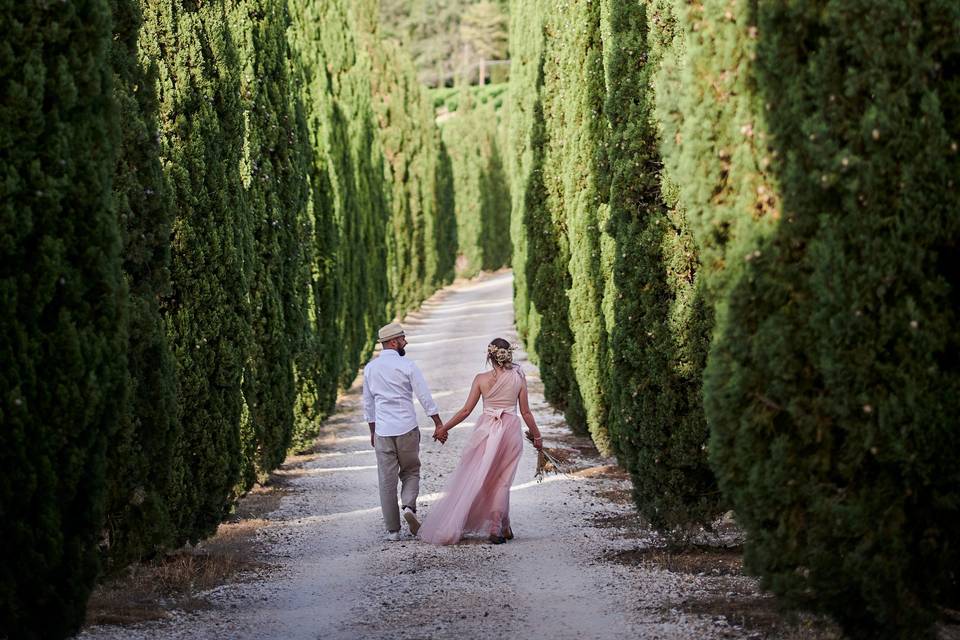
point(477, 498)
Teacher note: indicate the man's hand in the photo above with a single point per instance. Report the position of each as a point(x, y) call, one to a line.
point(373, 434)
point(372, 443)
point(439, 433)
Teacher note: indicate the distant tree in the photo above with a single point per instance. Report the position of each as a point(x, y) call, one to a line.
point(430, 30)
point(483, 31)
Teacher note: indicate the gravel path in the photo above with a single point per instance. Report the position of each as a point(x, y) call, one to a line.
point(335, 577)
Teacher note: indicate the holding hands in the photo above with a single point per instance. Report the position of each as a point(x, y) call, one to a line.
point(439, 430)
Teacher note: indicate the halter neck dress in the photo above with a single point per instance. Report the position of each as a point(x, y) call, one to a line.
point(477, 497)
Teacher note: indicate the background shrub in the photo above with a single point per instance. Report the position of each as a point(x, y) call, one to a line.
point(482, 205)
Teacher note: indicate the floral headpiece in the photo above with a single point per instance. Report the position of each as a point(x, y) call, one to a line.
point(501, 355)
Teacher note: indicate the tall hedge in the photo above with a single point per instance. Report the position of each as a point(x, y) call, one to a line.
point(445, 231)
point(142, 476)
point(316, 365)
point(273, 167)
point(362, 206)
point(471, 136)
point(64, 314)
point(208, 312)
point(543, 279)
point(344, 224)
point(524, 113)
point(603, 258)
point(495, 204)
point(820, 151)
point(418, 253)
point(574, 172)
point(659, 334)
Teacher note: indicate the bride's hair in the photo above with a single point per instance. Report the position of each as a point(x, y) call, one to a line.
point(500, 353)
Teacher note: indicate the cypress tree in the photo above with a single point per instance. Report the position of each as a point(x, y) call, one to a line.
point(397, 102)
point(525, 153)
point(347, 211)
point(819, 144)
point(274, 179)
point(545, 249)
point(142, 478)
point(316, 364)
point(63, 302)
point(574, 169)
point(462, 139)
point(495, 197)
point(483, 196)
point(445, 231)
point(660, 333)
point(363, 213)
point(410, 146)
point(208, 312)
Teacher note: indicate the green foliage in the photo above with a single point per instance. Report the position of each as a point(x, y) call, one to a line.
point(574, 93)
point(483, 32)
point(277, 191)
point(481, 187)
point(541, 251)
point(142, 478)
point(346, 216)
point(524, 113)
point(272, 170)
point(411, 148)
point(63, 311)
point(317, 364)
point(208, 312)
point(449, 98)
point(660, 330)
point(819, 161)
point(445, 231)
point(483, 29)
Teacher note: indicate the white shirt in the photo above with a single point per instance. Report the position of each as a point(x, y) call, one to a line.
point(389, 383)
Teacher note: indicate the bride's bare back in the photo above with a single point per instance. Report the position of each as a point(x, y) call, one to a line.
point(497, 392)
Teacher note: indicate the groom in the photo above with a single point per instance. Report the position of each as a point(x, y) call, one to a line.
point(389, 382)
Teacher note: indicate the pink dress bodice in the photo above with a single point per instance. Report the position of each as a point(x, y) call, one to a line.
point(503, 395)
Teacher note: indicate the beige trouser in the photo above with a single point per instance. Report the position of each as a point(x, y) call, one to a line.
point(398, 457)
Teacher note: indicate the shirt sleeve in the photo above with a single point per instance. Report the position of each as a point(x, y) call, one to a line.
point(422, 391)
point(369, 405)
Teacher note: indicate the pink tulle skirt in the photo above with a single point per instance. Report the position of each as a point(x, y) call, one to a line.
point(477, 498)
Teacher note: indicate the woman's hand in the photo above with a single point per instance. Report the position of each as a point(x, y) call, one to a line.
point(440, 434)
point(538, 442)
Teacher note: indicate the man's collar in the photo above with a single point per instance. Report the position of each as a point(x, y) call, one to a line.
point(386, 352)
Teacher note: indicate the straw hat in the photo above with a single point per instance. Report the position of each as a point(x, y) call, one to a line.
point(392, 330)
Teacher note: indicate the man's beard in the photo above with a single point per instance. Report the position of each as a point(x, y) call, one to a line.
point(402, 351)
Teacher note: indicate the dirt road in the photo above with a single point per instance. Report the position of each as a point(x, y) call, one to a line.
point(581, 564)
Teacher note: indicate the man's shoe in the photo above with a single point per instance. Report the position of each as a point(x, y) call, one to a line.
point(411, 519)
point(393, 536)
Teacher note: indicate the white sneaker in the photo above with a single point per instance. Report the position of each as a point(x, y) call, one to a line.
point(393, 536)
point(411, 519)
